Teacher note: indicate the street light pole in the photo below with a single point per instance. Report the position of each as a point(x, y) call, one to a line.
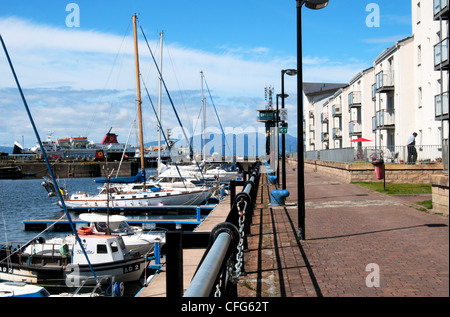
point(290, 72)
point(315, 5)
point(278, 139)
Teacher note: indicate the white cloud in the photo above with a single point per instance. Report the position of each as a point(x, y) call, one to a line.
point(385, 40)
point(83, 82)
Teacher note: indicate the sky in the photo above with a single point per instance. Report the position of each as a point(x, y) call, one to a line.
point(75, 60)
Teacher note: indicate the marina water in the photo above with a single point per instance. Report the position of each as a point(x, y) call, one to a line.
point(25, 199)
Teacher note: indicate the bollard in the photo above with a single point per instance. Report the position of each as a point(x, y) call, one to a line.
point(272, 179)
point(157, 252)
point(278, 197)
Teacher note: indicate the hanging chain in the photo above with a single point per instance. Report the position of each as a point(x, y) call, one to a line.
point(234, 274)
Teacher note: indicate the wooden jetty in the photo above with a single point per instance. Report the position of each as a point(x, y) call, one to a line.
point(191, 257)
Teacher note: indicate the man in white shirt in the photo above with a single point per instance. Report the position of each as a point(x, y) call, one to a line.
point(412, 152)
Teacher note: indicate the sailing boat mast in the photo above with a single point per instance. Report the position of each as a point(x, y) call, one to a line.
point(141, 138)
point(159, 102)
point(204, 119)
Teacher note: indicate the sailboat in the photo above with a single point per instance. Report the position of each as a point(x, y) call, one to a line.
point(115, 196)
point(91, 256)
point(199, 172)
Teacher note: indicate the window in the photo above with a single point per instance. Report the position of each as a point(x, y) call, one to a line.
point(101, 249)
point(419, 55)
point(114, 247)
point(419, 97)
point(418, 13)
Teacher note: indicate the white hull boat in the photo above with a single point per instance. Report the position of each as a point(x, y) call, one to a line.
point(134, 239)
point(64, 265)
point(20, 289)
point(138, 199)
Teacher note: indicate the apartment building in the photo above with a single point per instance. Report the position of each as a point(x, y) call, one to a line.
point(316, 134)
point(405, 91)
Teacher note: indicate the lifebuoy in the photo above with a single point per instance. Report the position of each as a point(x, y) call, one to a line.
point(85, 230)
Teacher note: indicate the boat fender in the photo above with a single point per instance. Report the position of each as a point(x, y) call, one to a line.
point(64, 250)
point(85, 230)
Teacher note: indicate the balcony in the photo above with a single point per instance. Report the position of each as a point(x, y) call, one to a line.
point(337, 133)
point(384, 81)
point(441, 106)
point(440, 9)
point(354, 99)
point(385, 119)
point(336, 110)
point(374, 92)
point(324, 136)
point(441, 55)
point(324, 117)
point(354, 127)
point(374, 123)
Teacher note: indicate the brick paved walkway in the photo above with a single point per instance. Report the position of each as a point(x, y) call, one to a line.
point(351, 234)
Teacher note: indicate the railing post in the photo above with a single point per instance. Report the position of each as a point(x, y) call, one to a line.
point(232, 192)
point(174, 264)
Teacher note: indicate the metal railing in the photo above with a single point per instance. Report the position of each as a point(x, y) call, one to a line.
point(424, 154)
point(222, 263)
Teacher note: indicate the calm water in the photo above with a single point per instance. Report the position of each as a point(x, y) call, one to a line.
point(25, 199)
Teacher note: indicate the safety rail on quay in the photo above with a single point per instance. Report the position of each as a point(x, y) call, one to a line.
point(222, 263)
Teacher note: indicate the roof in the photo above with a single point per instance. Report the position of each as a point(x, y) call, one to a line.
point(316, 89)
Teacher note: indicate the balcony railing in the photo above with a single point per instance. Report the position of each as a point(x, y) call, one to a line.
point(336, 110)
point(441, 55)
point(354, 99)
point(440, 8)
point(384, 81)
point(385, 118)
point(441, 106)
point(374, 123)
point(374, 92)
point(354, 127)
point(324, 117)
point(324, 136)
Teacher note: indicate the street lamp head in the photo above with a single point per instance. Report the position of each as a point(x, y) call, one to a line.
point(316, 4)
point(290, 72)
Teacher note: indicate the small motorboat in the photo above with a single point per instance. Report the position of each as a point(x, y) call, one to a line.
point(61, 264)
point(135, 239)
point(20, 289)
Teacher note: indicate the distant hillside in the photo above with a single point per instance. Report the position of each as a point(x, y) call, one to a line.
point(243, 144)
point(6, 149)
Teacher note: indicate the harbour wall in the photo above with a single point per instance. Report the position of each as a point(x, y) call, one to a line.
point(394, 173)
point(78, 169)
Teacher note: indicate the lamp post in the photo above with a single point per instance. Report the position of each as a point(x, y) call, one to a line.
point(315, 5)
point(290, 72)
point(278, 130)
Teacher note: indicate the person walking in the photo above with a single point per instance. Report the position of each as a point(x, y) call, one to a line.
point(412, 152)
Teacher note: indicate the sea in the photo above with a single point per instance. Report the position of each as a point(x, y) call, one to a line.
point(27, 199)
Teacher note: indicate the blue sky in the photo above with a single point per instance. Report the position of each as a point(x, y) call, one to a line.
point(80, 80)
